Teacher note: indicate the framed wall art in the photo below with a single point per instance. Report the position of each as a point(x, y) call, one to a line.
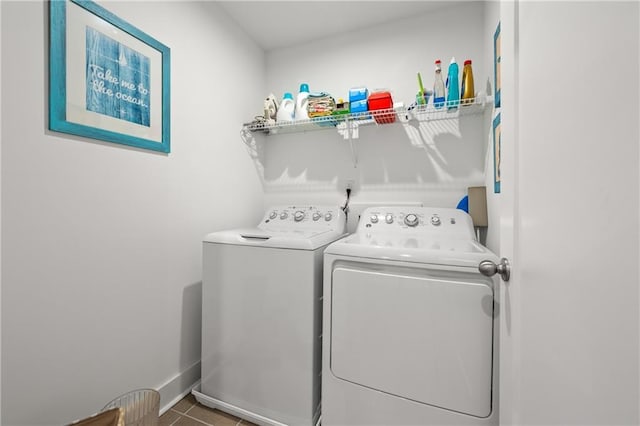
point(497, 140)
point(107, 79)
point(497, 59)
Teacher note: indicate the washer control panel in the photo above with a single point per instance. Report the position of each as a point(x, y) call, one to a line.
point(416, 220)
point(293, 217)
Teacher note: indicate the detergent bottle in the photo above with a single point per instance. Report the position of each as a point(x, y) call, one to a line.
point(438, 87)
point(287, 108)
point(467, 92)
point(453, 85)
point(302, 100)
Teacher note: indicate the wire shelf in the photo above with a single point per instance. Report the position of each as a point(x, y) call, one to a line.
point(377, 117)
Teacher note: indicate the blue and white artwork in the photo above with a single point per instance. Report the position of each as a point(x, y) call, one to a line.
point(117, 79)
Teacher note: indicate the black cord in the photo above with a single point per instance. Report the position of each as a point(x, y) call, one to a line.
point(345, 208)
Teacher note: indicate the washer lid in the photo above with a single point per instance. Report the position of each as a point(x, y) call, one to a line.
point(300, 239)
point(293, 227)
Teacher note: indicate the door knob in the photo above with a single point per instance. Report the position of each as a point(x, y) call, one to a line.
point(489, 269)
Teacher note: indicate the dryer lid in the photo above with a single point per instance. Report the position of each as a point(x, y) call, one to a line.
point(452, 252)
point(415, 234)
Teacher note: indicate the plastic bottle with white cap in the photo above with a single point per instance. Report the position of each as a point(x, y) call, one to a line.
point(287, 108)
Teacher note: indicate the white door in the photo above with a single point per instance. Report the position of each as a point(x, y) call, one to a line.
point(570, 214)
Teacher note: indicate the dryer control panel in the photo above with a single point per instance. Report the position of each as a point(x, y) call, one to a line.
point(303, 217)
point(453, 223)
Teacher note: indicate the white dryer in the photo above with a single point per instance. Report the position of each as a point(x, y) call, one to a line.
point(262, 316)
point(410, 329)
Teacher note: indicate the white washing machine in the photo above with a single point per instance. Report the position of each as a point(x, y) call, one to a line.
point(410, 329)
point(262, 316)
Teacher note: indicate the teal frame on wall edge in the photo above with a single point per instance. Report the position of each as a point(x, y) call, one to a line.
point(497, 154)
point(497, 60)
point(58, 73)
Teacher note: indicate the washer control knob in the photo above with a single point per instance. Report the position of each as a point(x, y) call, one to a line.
point(298, 216)
point(328, 216)
point(435, 221)
point(374, 218)
point(273, 215)
point(284, 215)
point(388, 218)
point(316, 216)
point(411, 220)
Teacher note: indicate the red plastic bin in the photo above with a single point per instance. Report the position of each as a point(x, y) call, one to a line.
point(381, 101)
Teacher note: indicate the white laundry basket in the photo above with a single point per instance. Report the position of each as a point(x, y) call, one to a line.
point(141, 407)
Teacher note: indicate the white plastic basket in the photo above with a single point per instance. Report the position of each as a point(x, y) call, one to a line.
point(141, 407)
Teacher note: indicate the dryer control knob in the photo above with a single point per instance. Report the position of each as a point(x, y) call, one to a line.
point(273, 215)
point(328, 217)
point(283, 215)
point(316, 216)
point(374, 218)
point(298, 216)
point(411, 220)
point(435, 221)
point(388, 218)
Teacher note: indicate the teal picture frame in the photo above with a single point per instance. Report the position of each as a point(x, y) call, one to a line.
point(497, 149)
point(130, 102)
point(497, 67)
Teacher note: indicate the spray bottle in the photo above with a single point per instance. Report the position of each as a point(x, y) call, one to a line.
point(438, 87)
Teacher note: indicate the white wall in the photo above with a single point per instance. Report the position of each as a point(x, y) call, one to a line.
point(494, 201)
point(431, 163)
point(101, 252)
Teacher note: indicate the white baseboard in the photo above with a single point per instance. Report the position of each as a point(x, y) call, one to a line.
point(178, 387)
point(234, 410)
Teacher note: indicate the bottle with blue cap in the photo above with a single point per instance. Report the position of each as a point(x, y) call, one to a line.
point(453, 85)
point(302, 101)
point(287, 108)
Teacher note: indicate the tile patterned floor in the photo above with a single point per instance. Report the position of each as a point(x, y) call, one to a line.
point(189, 412)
